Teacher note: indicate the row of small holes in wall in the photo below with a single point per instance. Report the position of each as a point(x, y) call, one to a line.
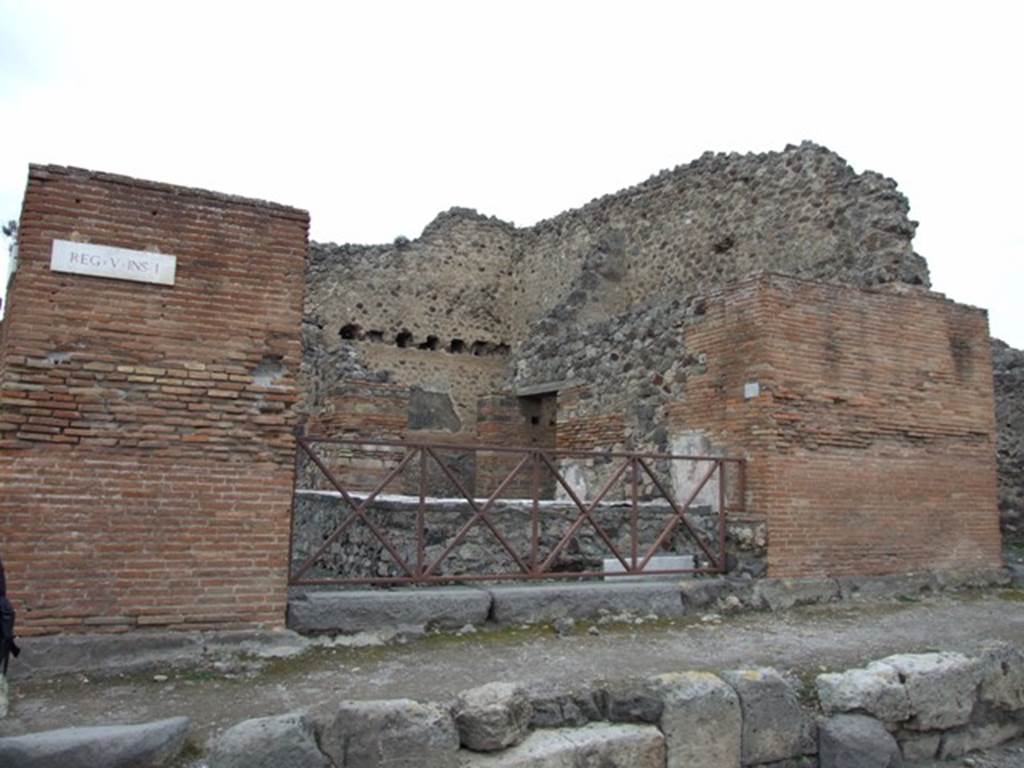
point(405, 340)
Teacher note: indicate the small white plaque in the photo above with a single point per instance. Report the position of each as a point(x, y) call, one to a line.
point(111, 262)
point(751, 390)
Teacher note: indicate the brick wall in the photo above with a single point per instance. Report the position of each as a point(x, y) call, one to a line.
point(145, 433)
point(871, 446)
point(515, 422)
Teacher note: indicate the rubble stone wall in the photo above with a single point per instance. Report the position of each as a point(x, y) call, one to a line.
point(475, 287)
point(1008, 366)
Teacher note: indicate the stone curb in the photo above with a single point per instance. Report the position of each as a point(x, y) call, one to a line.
point(907, 706)
point(388, 612)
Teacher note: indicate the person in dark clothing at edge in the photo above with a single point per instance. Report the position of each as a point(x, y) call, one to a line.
point(8, 647)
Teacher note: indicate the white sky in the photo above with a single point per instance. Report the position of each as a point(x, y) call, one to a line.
point(377, 115)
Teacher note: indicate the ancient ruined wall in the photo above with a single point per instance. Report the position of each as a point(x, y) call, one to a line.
point(613, 377)
point(802, 211)
point(445, 285)
point(871, 440)
point(145, 432)
point(1008, 366)
point(472, 285)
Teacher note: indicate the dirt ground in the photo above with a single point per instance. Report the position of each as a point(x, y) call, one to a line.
point(804, 641)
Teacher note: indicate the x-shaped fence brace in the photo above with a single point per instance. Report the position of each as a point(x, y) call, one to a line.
point(422, 571)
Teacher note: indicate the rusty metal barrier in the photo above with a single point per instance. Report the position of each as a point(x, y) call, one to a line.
point(628, 468)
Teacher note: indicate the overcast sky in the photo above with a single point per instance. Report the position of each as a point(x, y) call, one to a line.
point(375, 116)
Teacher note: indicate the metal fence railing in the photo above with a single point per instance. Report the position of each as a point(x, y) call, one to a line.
point(350, 527)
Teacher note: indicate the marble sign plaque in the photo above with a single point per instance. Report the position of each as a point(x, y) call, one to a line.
point(112, 262)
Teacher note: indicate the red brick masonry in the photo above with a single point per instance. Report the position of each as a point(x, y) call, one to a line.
point(872, 444)
point(145, 431)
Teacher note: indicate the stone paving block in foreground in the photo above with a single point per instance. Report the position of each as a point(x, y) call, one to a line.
point(148, 745)
point(596, 745)
point(856, 741)
point(942, 687)
point(284, 741)
point(700, 719)
point(493, 716)
point(395, 733)
point(875, 689)
point(775, 727)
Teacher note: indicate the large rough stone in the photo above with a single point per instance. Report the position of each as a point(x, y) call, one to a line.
point(397, 733)
point(701, 594)
point(960, 741)
point(856, 741)
point(284, 741)
point(593, 746)
point(775, 727)
point(781, 594)
point(915, 745)
point(146, 745)
point(543, 603)
point(493, 716)
point(354, 611)
point(629, 701)
point(1002, 678)
point(876, 690)
point(556, 708)
point(942, 688)
point(972, 578)
point(701, 721)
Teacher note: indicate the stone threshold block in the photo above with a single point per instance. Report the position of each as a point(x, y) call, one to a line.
point(539, 603)
point(367, 610)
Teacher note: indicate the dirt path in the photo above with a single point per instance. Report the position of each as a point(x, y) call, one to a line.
point(804, 640)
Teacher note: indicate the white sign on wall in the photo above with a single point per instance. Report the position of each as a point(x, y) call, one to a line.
point(111, 262)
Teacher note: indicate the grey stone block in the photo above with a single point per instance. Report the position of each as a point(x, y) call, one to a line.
point(547, 602)
point(1015, 572)
point(701, 721)
point(1002, 678)
point(397, 733)
point(781, 594)
point(856, 741)
point(606, 746)
point(630, 701)
point(972, 578)
point(886, 587)
point(876, 690)
point(716, 593)
point(775, 727)
point(560, 708)
point(960, 741)
point(4, 696)
point(493, 716)
point(918, 746)
point(102, 655)
point(804, 761)
point(284, 741)
point(147, 745)
point(96, 654)
point(942, 688)
point(348, 612)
